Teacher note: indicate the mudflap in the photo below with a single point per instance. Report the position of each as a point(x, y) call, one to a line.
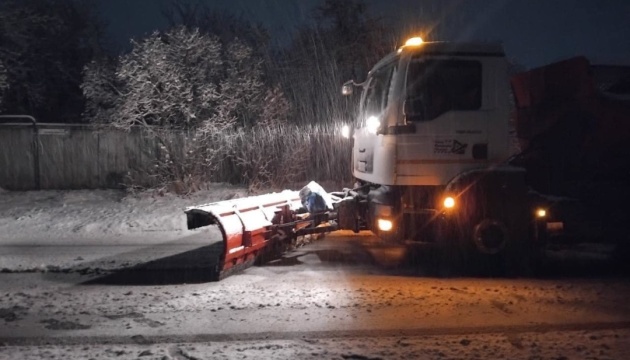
point(245, 226)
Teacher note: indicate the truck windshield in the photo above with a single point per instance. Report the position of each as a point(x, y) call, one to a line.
point(377, 93)
point(435, 87)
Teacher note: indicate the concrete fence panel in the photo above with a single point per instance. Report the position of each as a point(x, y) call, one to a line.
point(17, 164)
point(73, 156)
point(69, 158)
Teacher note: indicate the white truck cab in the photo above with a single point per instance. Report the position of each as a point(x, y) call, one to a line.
point(430, 141)
point(430, 111)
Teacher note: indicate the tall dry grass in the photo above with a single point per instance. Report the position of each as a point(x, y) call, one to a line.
point(260, 157)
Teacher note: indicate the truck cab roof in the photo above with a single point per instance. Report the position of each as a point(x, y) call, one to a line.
point(443, 48)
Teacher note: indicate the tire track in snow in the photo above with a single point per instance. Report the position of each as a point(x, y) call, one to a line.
point(313, 335)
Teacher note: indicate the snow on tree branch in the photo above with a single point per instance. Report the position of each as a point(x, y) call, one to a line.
point(181, 79)
point(191, 92)
point(169, 80)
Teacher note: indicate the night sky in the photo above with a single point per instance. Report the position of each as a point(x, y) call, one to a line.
point(534, 32)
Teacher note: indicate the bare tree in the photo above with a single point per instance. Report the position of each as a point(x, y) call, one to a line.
point(101, 89)
point(275, 108)
point(193, 14)
point(342, 45)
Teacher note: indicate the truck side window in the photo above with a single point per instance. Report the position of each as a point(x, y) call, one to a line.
point(437, 86)
point(377, 93)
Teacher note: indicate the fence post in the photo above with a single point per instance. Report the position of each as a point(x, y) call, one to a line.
point(21, 118)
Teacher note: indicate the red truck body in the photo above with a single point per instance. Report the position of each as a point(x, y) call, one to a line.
point(574, 135)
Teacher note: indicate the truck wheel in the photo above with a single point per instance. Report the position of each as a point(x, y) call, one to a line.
point(490, 236)
point(485, 249)
point(503, 253)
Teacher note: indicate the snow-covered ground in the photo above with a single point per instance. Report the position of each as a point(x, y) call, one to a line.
point(332, 299)
point(315, 310)
point(548, 345)
point(87, 216)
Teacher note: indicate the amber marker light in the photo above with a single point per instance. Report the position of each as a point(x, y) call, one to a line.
point(449, 203)
point(414, 41)
point(541, 213)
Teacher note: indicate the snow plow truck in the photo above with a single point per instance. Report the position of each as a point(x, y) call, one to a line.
point(434, 162)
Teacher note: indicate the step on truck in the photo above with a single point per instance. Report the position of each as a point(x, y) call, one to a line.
point(449, 150)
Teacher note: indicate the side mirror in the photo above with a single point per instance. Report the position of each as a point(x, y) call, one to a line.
point(347, 88)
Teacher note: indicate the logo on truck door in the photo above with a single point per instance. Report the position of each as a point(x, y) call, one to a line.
point(449, 146)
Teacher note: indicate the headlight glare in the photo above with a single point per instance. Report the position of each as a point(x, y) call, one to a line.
point(345, 131)
point(449, 202)
point(385, 225)
point(372, 124)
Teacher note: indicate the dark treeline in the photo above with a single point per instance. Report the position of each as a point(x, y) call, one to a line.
point(53, 65)
point(44, 46)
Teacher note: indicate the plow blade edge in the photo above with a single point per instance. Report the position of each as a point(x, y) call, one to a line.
point(244, 225)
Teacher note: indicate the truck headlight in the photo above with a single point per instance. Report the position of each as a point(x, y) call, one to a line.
point(372, 124)
point(345, 131)
point(385, 225)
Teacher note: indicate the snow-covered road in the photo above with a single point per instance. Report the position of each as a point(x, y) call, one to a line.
point(130, 294)
point(80, 257)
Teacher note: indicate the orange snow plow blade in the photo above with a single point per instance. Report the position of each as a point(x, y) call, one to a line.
point(265, 226)
point(244, 224)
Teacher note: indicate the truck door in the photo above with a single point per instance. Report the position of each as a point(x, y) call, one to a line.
point(372, 119)
point(445, 102)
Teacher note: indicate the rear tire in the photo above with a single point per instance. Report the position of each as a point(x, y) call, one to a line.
point(459, 251)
